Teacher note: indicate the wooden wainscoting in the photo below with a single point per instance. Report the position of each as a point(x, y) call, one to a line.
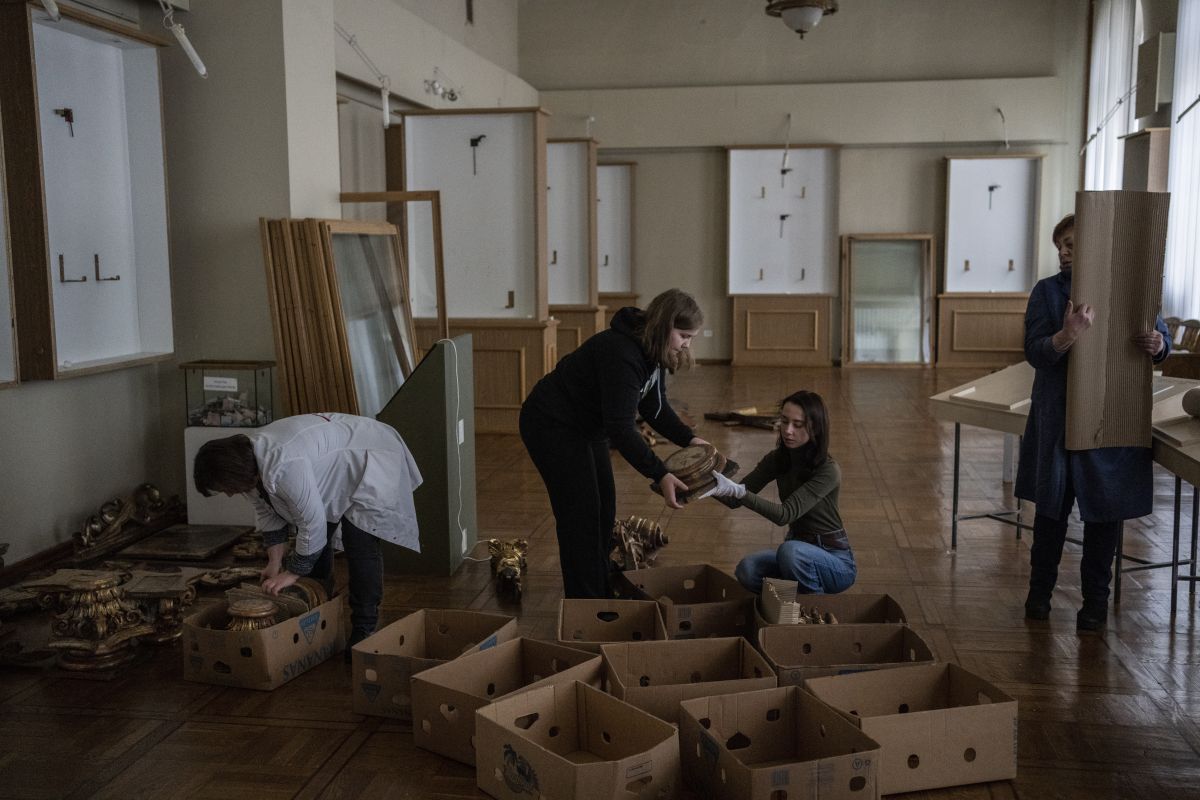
point(782, 330)
point(981, 330)
point(614, 302)
point(510, 356)
point(576, 324)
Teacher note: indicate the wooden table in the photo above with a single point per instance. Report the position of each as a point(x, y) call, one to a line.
point(999, 401)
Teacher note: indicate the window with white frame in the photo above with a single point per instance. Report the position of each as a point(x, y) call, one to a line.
point(1181, 286)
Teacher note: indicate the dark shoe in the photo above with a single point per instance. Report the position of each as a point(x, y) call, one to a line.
point(1091, 619)
point(356, 636)
point(1037, 610)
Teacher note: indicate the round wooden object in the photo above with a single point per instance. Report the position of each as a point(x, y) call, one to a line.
point(691, 461)
point(250, 615)
point(1191, 402)
point(309, 590)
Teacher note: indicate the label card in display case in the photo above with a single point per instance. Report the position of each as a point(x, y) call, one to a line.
point(614, 227)
point(783, 220)
point(991, 223)
point(87, 189)
point(489, 166)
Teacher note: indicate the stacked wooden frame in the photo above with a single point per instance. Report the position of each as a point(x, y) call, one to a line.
point(316, 368)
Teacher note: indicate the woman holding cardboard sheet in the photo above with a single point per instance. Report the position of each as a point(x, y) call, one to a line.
point(816, 552)
point(1112, 484)
point(593, 398)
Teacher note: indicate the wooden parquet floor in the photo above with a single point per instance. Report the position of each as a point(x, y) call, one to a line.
point(1101, 716)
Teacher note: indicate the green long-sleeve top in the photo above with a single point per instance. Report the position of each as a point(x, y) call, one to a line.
point(809, 494)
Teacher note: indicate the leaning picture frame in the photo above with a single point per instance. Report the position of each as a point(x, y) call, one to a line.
point(371, 304)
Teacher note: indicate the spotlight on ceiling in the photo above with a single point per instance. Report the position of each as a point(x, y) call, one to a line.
point(801, 15)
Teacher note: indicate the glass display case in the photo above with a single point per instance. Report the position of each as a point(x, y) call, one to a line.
point(229, 394)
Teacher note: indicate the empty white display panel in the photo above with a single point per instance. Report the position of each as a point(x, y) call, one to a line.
point(783, 221)
point(991, 223)
point(105, 195)
point(488, 168)
point(614, 223)
point(569, 200)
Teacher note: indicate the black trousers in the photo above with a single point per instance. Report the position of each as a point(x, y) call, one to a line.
point(1095, 571)
point(579, 479)
point(364, 558)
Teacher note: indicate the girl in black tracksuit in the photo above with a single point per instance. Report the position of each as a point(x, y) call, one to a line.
point(593, 398)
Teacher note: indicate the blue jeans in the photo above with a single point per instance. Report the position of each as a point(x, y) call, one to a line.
point(815, 569)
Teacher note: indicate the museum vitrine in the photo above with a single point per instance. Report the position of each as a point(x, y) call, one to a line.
point(86, 186)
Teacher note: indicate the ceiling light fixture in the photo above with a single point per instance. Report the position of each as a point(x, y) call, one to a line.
point(801, 15)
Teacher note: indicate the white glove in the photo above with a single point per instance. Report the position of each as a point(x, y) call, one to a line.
point(725, 488)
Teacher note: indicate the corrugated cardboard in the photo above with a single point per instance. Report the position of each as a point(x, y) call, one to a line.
point(570, 740)
point(587, 624)
point(939, 725)
point(656, 676)
point(1006, 390)
point(262, 659)
point(1120, 242)
point(697, 599)
point(797, 652)
point(780, 600)
point(445, 697)
point(775, 743)
point(385, 662)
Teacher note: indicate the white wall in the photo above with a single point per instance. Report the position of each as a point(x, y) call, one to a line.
point(900, 86)
point(406, 48)
point(493, 35)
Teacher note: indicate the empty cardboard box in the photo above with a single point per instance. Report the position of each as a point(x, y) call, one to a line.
point(587, 624)
point(781, 604)
point(262, 659)
point(385, 662)
point(775, 743)
point(938, 724)
point(656, 676)
point(697, 600)
point(445, 697)
point(798, 652)
point(570, 740)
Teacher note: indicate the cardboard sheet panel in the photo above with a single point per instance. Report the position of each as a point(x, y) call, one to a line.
point(1120, 243)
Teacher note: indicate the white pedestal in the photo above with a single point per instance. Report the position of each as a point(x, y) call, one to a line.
point(218, 509)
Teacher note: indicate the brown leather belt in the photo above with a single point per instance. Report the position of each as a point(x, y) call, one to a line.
point(833, 540)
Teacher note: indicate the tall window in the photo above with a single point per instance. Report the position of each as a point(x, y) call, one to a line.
point(1181, 288)
point(1115, 35)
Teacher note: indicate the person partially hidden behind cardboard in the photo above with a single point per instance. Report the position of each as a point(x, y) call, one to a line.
point(816, 552)
point(318, 473)
point(1112, 484)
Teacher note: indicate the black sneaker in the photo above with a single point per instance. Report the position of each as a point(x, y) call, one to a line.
point(1039, 610)
point(1091, 619)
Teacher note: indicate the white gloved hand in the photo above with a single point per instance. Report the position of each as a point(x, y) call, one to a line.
point(725, 488)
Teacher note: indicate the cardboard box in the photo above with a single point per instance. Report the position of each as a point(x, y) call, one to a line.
point(587, 624)
point(697, 600)
point(798, 652)
point(570, 740)
point(780, 602)
point(262, 659)
point(385, 662)
point(445, 697)
point(656, 676)
point(775, 743)
point(939, 725)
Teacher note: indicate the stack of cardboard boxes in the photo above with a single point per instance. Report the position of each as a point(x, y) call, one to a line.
point(691, 683)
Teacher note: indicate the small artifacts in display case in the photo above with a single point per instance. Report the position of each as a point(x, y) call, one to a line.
point(229, 394)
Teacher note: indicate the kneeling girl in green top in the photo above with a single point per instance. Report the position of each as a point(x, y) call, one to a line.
point(815, 553)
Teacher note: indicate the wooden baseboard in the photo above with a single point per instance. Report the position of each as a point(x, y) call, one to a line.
point(46, 559)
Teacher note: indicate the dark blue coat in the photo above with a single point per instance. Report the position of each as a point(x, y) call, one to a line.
point(1110, 483)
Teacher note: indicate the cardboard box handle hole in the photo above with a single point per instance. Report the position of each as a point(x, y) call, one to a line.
point(806, 648)
point(577, 636)
point(779, 794)
point(221, 667)
point(526, 722)
point(858, 647)
point(644, 680)
point(372, 676)
point(821, 730)
point(858, 783)
point(685, 625)
point(705, 723)
point(553, 731)
point(443, 628)
point(903, 709)
point(637, 636)
point(697, 677)
point(913, 761)
point(247, 652)
point(635, 787)
point(689, 584)
point(607, 616)
point(606, 737)
point(401, 642)
point(295, 638)
point(739, 741)
point(491, 689)
point(773, 715)
point(449, 712)
point(969, 754)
